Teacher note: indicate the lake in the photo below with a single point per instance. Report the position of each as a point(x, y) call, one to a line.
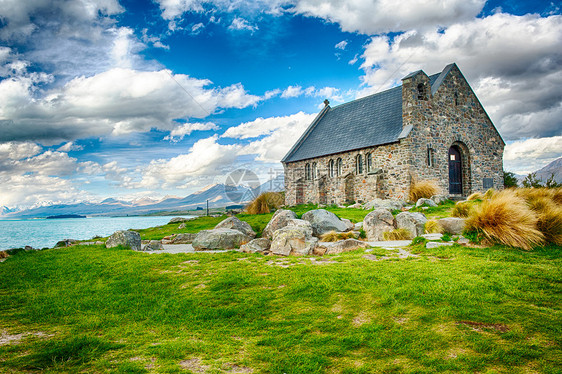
point(41, 233)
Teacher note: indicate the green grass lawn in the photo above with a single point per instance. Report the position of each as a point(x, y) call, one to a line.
point(452, 309)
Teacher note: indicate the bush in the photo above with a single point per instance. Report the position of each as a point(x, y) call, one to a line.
point(266, 202)
point(509, 179)
point(334, 236)
point(424, 189)
point(397, 234)
point(433, 227)
point(462, 209)
point(506, 219)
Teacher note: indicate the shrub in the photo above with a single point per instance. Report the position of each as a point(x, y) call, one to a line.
point(424, 189)
point(266, 202)
point(461, 209)
point(446, 237)
point(507, 219)
point(476, 196)
point(549, 213)
point(433, 227)
point(334, 236)
point(509, 179)
point(418, 240)
point(397, 234)
point(362, 234)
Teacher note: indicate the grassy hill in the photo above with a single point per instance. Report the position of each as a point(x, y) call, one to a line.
point(451, 309)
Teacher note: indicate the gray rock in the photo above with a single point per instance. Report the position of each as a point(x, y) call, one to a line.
point(430, 245)
point(358, 226)
point(127, 238)
point(413, 222)
point(323, 221)
point(256, 245)
point(65, 243)
point(427, 202)
point(279, 220)
point(378, 222)
point(301, 224)
point(180, 219)
point(183, 238)
point(432, 236)
point(348, 223)
point(390, 204)
point(153, 245)
point(219, 239)
point(182, 226)
point(453, 225)
point(438, 199)
point(292, 240)
point(463, 241)
point(235, 224)
point(340, 246)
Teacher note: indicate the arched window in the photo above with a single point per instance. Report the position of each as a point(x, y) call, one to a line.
point(456, 98)
point(314, 171)
point(421, 91)
point(339, 166)
point(331, 168)
point(307, 172)
point(359, 164)
point(369, 162)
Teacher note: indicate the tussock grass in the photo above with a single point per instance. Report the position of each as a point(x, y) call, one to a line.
point(543, 201)
point(462, 209)
point(490, 193)
point(266, 202)
point(433, 227)
point(506, 219)
point(476, 196)
point(424, 189)
point(397, 234)
point(334, 236)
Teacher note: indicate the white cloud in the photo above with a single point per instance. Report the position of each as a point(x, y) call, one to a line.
point(18, 151)
point(197, 28)
point(186, 129)
point(292, 91)
point(69, 146)
point(527, 156)
point(242, 24)
point(311, 91)
point(117, 101)
point(514, 63)
point(341, 45)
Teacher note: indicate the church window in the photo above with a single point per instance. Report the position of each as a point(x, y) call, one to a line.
point(307, 172)
point(430, 157)
point(331, 168)
point(314, 171)
point(456, 98)
point(339, 166)
point(369, 162)
point(421, 92)
point(359, 164)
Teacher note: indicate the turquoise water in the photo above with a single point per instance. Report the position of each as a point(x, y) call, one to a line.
point(41, 233)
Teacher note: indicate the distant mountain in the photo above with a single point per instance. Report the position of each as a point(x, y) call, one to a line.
point(218, 195)
point(555, 167)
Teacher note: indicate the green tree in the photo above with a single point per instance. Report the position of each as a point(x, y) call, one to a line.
point(531, 180)
point(551, 182)
point(509, 179)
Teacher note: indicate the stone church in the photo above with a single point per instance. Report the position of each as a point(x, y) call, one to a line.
point(429, 128)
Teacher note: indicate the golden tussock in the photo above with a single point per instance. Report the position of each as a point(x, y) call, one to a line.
point(424, 189)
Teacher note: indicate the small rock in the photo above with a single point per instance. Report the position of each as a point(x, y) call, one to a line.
point(427, 202)
point(430, 245)
point(65, 243)
point(453, 225)
point(348, 223)
point(438, 199)
point(256, 245)
point(463, 241)
point(180, 219)
point(128, 238)
point(432, 236)
point(153, 245)
point(183, 238)
point(339, 246)
point(182, 226)
point(358, 226)
point(378, 222)
point(390, 204)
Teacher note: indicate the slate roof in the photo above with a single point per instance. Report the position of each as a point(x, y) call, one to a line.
point(366, 122)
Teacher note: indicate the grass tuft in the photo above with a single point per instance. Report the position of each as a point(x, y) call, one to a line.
point(475, 196)
point(397, 234)
point(433, 227)
point(506, 219)
point(424, 189)
point(462, 209)
point(266, 202)
point(334, 236)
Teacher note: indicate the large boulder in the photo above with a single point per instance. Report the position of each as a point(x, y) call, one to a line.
point(390, 204)
point(128, 238)
point(293, 240)
point(350, 225)
point(323, 221)
point(279, 220)
point(235, 224)
point(301, 224)
point(427, 202)
point(153, 245)
point(377, 222)
point(219, 239)
point(453, 225)
point(413, 222)
point(340, 246)
point(256, 245)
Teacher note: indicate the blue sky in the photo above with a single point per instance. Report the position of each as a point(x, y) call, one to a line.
point(142, 99)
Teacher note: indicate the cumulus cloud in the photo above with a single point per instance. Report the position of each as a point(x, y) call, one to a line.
point(117, 101)
point(186, 129)
point(514, 63)
point(242, 24)
point(292, 91)
point(527, 156)
point(70, 146)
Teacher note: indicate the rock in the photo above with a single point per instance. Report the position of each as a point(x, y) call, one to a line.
point(413, 222)
point(438, 199)
point(339, 246)
point(256, 245)
point(348, 223)
point(278, 221)
point(323, 221)
point(65, 243)
point(390, 204)
point(180, 219)
point(182, 226)
point(356, 206)
point(235, 224)
point(99, 243)
point(128, 238)
point(301, 224)
point(453, 225)
point(219, 239)
point(183, 238)
point(430, 245)
point(463, 241)
point(432, 236)
point(292, 240)
point(153, 245)
point(378, 222)
point(358, 226)
point(427, 202)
